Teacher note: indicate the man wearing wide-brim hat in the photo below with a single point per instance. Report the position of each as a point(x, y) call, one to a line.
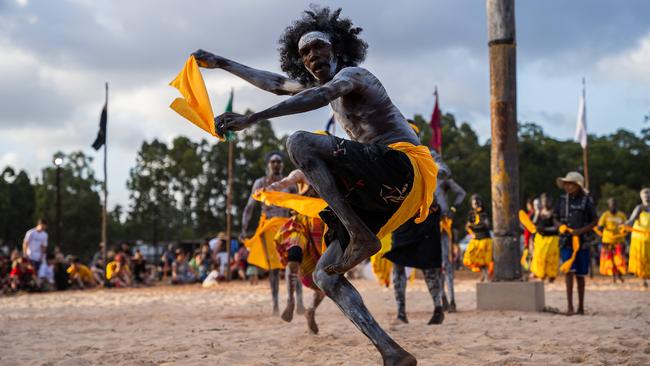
point(576, 210)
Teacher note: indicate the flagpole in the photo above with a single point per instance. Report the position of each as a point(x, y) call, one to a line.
point(104, 231)
point(231, 148)
point(436, 94)
point(585, 160)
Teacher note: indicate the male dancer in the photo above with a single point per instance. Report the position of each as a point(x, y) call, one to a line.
point(275, 165)
point(418, 246)
point(577, 211)
point(446, 185)
point(372, 183)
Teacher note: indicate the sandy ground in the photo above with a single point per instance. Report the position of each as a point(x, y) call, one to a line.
point(231, 325)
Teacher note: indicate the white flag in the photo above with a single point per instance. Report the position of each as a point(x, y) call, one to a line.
point(581, 126)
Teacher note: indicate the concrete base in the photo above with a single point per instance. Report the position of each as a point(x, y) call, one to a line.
point(521, 296)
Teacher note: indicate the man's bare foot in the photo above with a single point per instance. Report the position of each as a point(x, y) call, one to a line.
point(355, 253)
point(402, 318)
point(402, 359)
point(570, 311)
point(287, 314)
point(580, 311)
point(310, 315)
point(438, 316)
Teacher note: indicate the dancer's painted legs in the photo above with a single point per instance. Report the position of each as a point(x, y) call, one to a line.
point(399, 287)
point(346, 297)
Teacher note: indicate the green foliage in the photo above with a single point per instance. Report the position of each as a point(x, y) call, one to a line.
point(80, 204)
point(16, 206)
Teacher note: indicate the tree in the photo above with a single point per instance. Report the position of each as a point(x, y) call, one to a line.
point(81, 207)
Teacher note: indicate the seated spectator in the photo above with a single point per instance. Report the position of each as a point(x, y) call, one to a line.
point(5, 268)
point(22, 275)
point(139, 268)
point(221, 252)
point(181, 271)
point(80, 275)
point(46, 274)
point(166, 261)
point(61, 278)
point(239, 262)
point(118, 272)
point(212, 279)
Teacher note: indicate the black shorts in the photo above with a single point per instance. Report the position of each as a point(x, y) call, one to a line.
point(294, 254)
point(418, 245)
point(374, 180)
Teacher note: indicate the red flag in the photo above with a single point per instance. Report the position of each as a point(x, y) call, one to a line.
point(436, 129)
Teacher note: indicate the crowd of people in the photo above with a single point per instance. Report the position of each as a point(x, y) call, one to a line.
point(37, 268)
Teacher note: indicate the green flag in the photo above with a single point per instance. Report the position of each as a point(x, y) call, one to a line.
point(230, 136)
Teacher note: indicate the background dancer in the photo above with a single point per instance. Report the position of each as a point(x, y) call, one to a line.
point(478, 256)
point(612, 253)
point(576, 210)
point(639, 262)
point(418, 246)
point(546, 242)
point(372, 183)
point(264, 253)
point(447, 185)
point(299, 244)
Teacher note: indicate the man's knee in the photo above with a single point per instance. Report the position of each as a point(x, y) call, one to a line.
point(301, 147)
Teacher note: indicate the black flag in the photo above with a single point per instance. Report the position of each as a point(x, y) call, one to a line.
point(101, 135)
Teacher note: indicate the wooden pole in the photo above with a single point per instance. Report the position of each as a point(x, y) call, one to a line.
point(585, 166)
point(504, 163)
point(229, 207)
point(104, 227)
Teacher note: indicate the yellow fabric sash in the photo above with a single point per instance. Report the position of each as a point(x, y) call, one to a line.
point(575, 241)
point(419, 199)
point(382, 267)
point(445, 226)
point(195, 104)
point(262, 247)
point(308, 206)
point(527, 222)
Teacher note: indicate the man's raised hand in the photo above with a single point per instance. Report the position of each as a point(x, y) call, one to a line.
point(231, 121)
point(207, 59)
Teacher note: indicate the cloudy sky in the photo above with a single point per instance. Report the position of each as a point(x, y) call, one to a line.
point(56, 55)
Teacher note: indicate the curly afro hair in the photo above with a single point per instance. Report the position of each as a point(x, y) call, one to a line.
point(349, 49)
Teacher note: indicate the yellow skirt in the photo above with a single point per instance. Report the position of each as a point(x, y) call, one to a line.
point(639, 263)
point(262, 250)
point(546, 256)
point(478, 254)
point(611, 258)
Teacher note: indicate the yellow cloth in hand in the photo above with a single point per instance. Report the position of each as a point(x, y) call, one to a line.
point(262, 251)
point(195, 104)
point(525, 220)
point(308, 206)
point(419, 199)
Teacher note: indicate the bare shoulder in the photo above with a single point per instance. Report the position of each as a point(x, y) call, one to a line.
point(353, 73)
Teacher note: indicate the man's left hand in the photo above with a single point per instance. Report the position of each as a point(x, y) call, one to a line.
point(230, 121)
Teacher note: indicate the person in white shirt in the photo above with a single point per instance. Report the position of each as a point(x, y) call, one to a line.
point(35, 243)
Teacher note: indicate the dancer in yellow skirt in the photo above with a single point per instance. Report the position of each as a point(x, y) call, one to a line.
point(546, 243)
point(478, 256)
point(639, 263)
point(262, 249)
point(612, 254)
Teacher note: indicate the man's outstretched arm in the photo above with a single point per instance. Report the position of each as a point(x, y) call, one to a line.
point(304, 101)
point(265, 80)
